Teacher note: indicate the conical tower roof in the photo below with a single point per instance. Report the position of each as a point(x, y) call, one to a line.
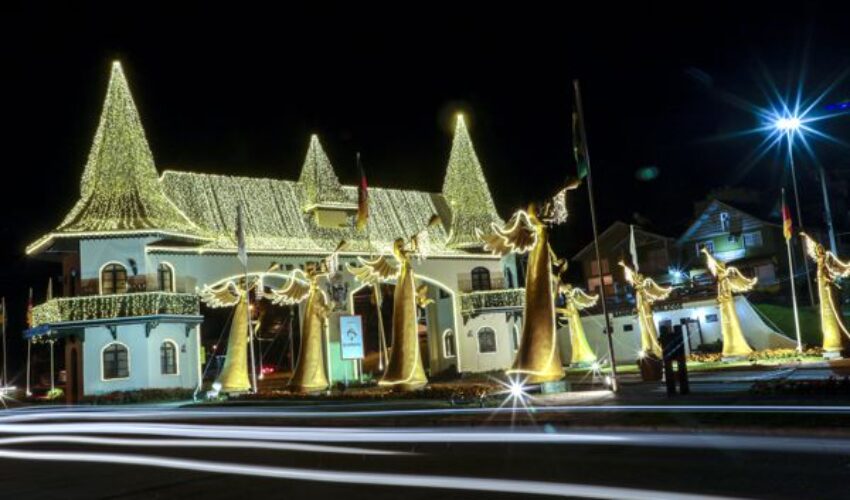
point(466, 192)
point(120, 190)
point(318, 178)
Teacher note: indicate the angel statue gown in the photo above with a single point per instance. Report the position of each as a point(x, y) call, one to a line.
point(729, 282)
point(836, 338)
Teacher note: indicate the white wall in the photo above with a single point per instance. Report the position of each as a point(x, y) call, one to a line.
point(144, 358)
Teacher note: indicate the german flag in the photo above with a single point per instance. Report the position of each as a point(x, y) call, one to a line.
point(786, 219)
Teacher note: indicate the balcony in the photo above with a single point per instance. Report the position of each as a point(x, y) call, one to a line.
point(491, 301)
point(105, 307)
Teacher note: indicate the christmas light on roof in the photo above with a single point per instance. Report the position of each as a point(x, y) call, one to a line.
point(318, 178)
point(466, 192)
point(120, 191)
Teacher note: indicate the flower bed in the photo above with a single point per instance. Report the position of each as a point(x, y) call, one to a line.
point(829, 387)
point(140, 396)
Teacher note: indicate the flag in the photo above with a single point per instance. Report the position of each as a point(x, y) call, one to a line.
point(29, 310)
point(786, 218)
point(362, 198)
point(579, 147)
point(242, 249)
point(633, 246)
point(3, 312)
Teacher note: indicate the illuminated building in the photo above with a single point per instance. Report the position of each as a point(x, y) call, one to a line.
point(138, 246)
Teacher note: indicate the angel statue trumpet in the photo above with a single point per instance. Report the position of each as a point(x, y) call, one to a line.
point(576, 300)
point(538, 357)
point(234, 375)
point(404, 366)
point(310, 374)
point(835, 336)
point(647, 292)
point(729, 281)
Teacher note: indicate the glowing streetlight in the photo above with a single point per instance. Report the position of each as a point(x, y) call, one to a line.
point(789, 124)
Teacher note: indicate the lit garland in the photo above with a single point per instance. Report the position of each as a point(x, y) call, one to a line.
point(120, 190)
point(114, 306)
point(275, 219)
point(492, 299)
point(466, 192)
point(320, 183)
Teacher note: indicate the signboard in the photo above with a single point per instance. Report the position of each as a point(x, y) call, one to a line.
point(351, 336)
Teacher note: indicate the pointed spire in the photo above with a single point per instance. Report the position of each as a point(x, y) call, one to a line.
point(320, 182)
point(120, 189)
point(466, 191)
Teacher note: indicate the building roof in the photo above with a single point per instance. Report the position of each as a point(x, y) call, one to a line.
point(119, 192)
point(466, 192)
point(614, 234)
point(706, 225)
point(121, 195)
point(276, 221)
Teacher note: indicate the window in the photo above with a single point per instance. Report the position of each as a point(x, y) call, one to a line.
point(165, 277)
point(113, 279)
point(752, 239)
point(725, 221)
point(116, 361)
point(711, 318)
point(766, 274)
point(515, 337)
point(486, 340)
point(480, 278)
point(448, 343)
point(708, 245)
point(168, 358)
point(510, 277)
point(628, 327)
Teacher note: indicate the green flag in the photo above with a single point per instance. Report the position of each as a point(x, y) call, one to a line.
point(579, 147)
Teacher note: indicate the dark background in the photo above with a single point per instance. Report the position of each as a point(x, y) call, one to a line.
point(238, 90)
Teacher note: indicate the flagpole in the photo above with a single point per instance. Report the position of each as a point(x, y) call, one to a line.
point(786, 229)
point(29, 356)
point(608, 331)
point(5, 379)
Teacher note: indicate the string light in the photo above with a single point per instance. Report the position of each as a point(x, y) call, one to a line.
point(119, 189)
point(114, 306)
point(466, 192)
point(491, 299)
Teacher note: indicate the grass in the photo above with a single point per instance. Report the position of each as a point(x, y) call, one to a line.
point(783, 318)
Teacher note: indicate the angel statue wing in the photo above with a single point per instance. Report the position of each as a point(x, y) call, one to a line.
point(581, 299)
point(518, 235)
point(654, 291)
point(422, 299)
point(296, 290)
point(836, 267)
point(224, 295)
point(739, 283)
point(811, 246)
point(711, 263)
point(373, 271)
point(628, 273)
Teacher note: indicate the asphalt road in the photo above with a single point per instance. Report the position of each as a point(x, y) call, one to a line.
point(281, 453)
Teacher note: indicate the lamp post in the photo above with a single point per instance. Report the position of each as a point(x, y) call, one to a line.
point(789, 126)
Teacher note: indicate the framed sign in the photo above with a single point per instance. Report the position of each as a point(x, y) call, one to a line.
point(351, 336)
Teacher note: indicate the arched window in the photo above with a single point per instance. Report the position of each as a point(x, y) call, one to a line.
point(116, 361)
point(449, 343)
point(486, 340)
point(515, 337)
point(165, 276)
point(168, 358)
point(480, 278)
point(113, 279)
point(509, 275)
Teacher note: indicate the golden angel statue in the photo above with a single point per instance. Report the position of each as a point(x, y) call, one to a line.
point(310, 373)
point(647, 292)
point(404, 364)
point(538, 356)
point(729, 282)
point(575, 300)
point(234, 377)
point(835, 335)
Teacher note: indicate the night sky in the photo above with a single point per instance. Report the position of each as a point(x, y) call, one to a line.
point(239, 90)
